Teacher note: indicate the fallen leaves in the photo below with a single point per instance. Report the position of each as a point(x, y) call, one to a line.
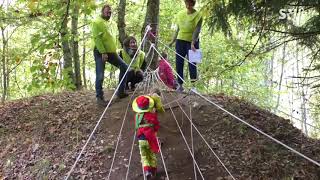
point(43, 136)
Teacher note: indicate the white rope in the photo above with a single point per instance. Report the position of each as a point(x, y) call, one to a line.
point(127, 173)
point(258, 130)
point(184, 138)
point(143, 172)
point(98, 123)
point(202, 137)
point(145, 84)
point(150, 48)
point(148, 82)
point(162, 157)
point(192, 145)
point(316, 128)
point(133, 142)
point(179, 128)
point(118, 139)
point(129, 163)
point(163, 162)
point(175, 52)
point(154, 78)
point(169, 65)
point(119, 135)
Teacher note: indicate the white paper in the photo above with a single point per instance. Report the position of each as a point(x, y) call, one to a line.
point(195, 56)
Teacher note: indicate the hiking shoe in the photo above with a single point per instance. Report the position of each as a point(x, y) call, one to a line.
point(122, 95)
point(148, 175)
point(179, 88)
point(102, 102)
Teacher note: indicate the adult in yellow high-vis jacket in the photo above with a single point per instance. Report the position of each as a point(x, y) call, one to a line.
point(105, 51)
point(138, 66)
point(188, 23)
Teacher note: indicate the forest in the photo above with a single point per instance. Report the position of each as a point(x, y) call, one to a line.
point(262, 52)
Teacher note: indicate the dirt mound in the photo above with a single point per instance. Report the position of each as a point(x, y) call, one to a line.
point(40, 138)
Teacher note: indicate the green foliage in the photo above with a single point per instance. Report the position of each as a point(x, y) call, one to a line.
point(45, 78)
point(41, 35)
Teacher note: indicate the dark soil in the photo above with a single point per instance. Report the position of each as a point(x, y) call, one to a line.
point(41, 137)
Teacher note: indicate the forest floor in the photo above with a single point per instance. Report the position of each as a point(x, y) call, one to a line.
point(40, 138)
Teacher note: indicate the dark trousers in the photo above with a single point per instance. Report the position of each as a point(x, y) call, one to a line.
point(134, 77)
point(182, 48)
point(113, 59)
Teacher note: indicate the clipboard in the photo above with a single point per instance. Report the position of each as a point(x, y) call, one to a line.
point(195, 56)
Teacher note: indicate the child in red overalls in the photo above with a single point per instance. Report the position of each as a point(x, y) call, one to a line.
point(147, 126)
point(165, 72)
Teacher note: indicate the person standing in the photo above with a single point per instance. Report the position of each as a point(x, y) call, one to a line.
point(188, 23)
point(105, 51)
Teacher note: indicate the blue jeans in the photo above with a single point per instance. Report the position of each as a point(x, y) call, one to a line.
point(113, 59)
point(182, 48)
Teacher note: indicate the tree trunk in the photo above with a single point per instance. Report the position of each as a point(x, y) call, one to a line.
point(4, 66)
point(269, 73)
point(284, 51)
point(75, 46)
point(152, 19)
point(66, 50)
point(304, 112)
point(84, 55)
point(121, 20)
point(7, 69)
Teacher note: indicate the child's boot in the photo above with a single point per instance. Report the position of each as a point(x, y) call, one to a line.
point(148, 175)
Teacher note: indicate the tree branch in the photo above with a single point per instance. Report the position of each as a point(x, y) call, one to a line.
point(248, 54)
point(301, 77)
point(310, 33)
point(65, 16)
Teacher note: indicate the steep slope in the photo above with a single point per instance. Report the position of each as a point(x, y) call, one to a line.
point(40, 138)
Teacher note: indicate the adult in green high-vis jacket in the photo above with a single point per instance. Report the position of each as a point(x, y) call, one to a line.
point(105, 51)
point(138, 66)
point(188, 23)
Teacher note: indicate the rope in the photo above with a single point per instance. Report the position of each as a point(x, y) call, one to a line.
point(204, 139)
point(161, 154)
point(192, 145)
point(129, 163)
point(148, 81)
point(192, 154)
point(162, 157)
point(299, 120)
point(169, 65)
point(163, 162)
point(176, 100)
point(119, 140)
point(133, 142)
point(119, 135)
point(184, 139)
point(153, 78)
point(174, 51)
point(256, 129)
point(150, 48)
point(149, 51)
point(144, 174)
point(98, 123)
